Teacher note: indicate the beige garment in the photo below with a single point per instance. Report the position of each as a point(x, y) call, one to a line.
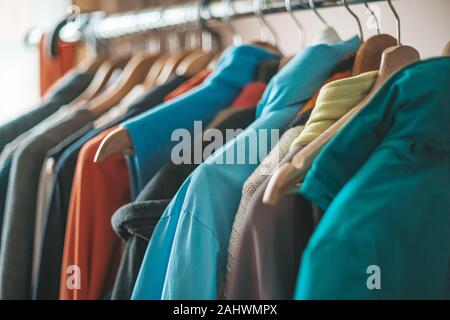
point(253, 182)
point(45, 188)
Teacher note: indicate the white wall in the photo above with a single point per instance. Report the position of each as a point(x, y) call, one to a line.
point(19, 64)
point(425, 24)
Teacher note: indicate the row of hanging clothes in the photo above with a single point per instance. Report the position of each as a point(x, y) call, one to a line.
point(99, 200)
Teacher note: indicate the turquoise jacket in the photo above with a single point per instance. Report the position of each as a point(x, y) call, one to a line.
point(384, 181)
point(151, 132)
point(186, 256)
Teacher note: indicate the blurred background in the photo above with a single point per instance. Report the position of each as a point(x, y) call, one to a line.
point(425, 25)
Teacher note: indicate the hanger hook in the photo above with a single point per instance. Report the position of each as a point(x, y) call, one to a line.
point(237, 39)
point(361, 35)
point(374, 16)
point(74, 14)
point(288, 4)
point(397, 18)
point(204, 4)
point(312, 5)
point(259, 13)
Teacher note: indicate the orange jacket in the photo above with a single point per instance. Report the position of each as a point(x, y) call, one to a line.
point(91, 245)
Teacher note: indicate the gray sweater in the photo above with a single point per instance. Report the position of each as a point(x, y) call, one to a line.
point(16, 249)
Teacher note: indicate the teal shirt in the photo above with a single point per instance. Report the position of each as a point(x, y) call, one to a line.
point(384, 181)
point(186, 256)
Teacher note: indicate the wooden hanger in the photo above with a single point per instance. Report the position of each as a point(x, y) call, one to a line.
point(266, 45)
point(287, 178)
point(133, 74)
point(199, 59)
point(368, 56)
point(101, 78)
point(171, 64)
point(118, 141)
point(92, 65)
point(155, 70)
point(446, 51)
point(194, 63)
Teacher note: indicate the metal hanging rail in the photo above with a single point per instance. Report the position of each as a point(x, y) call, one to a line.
point(118, 25)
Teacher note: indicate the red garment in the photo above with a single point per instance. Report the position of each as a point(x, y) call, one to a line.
point(249, 95)
point(98, 190)
point(189, 84)
point(53, 68)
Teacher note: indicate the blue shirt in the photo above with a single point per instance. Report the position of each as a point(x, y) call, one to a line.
point(186, 256)
point(384, 181)
point(5, 168)
point(151, 132)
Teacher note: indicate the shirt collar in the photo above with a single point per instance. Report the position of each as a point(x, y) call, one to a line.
point(234, 60)
point(138, 218)
point(347, 89)
point(297, 81)
point(335, 100)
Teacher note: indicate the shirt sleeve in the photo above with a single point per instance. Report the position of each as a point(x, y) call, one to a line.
point(151, 133)
point(193, 238)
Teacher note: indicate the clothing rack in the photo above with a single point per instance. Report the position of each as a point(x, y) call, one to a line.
point(119, 25)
